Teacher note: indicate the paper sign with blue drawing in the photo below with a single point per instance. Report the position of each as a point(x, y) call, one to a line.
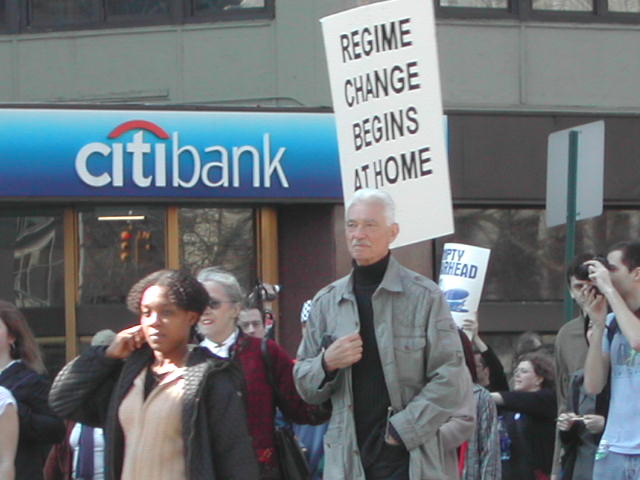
point(462, 273)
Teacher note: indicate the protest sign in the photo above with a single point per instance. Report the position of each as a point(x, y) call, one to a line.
point(461, 278)
point(385, 86)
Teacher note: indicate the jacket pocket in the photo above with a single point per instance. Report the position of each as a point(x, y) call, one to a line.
point(410, 359)
point(333, 453)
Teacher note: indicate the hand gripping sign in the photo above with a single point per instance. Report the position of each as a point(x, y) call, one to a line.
point(461, 278)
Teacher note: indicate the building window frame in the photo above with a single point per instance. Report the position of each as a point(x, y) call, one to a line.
point(19, 17)
point(523, 11)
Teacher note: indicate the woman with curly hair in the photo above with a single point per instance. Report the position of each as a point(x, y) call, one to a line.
point(168, 413)
point(528, 414)
point(22, 373)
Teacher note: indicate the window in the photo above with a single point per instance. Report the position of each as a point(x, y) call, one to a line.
point(203, 7)
point(32, 277)
point(625, 11)
point(564, 5)
point(221, 237)
point(475, 3)
point(117, 247)
point(138, 7)
point(527, 258)
point(63, 12)
point(625, 6)
point(38, 15)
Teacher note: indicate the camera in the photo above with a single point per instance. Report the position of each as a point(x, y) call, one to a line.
point(264, 292)
point(582, 272)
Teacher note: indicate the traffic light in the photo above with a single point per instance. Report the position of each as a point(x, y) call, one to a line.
point(145, 237)
point(125, 245)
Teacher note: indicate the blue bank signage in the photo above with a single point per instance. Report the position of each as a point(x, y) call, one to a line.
point(180, 154)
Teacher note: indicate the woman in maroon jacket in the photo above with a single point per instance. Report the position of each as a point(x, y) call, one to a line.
point(218, 325)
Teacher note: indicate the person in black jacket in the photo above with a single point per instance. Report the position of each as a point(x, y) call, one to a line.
point(528, 414)
point(22, 372)
point(168, 413)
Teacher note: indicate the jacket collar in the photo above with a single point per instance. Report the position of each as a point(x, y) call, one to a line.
point(392, 281)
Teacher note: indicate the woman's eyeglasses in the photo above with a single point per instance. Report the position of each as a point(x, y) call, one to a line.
point(215, 304)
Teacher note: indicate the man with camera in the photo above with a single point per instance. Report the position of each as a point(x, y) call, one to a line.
point(571, 344)
point(614, 349)
point(256, 318)
point(381, 345)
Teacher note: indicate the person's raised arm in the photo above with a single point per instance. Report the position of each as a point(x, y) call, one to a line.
point(628, 322)
point(596, 367)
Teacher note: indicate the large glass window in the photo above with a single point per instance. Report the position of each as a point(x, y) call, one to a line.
point(138, 7)
point(117, 247)
point(625, 6)
point(223, 237)
point(208, 6)
point(564, 5)
point(475, 3)
point(32, 277)
point(3, 14)
point(527, 258)
point(103, 13)
point(59, 13)
point(543, 10)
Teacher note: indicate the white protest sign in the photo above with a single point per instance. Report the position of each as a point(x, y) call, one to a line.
point(461, 278)
point(385, 86)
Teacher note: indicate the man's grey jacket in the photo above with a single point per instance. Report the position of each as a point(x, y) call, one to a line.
point(421, 358)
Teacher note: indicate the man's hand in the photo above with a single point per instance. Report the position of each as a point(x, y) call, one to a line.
point(344, 352)
point(566, 420)
point(126, 342)
point(391, 441)
point(594, 423)
point(593, 304)
point(599, 276)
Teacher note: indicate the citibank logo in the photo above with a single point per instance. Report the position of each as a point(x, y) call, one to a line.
point(146, 154)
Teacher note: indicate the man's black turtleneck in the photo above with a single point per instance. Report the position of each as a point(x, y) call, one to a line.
point(370, 395)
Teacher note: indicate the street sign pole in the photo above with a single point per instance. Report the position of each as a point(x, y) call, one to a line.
point(570, 246)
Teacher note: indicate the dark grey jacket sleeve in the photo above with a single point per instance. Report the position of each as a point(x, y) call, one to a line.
point(82, 390)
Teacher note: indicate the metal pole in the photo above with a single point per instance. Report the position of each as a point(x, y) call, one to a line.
point(570, 245)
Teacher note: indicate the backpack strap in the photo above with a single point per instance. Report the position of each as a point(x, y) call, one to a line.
point(612, 329)
point(266, 357)
point(264, 348)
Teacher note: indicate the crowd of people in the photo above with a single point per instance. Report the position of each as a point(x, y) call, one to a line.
point(385, 385)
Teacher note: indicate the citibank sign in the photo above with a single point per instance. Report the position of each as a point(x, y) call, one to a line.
point(152, 153)
point(152, 150)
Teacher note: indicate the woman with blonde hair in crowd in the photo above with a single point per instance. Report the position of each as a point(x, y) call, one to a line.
point(22, 373)
point(9, 437)
point(224, 338)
